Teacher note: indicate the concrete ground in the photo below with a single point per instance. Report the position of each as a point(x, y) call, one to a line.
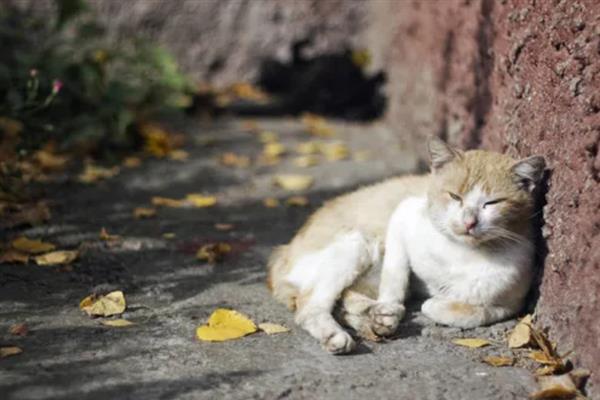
point(68, 355)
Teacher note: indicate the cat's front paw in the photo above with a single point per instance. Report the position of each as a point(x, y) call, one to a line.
point(385, 317)
point(339, 343)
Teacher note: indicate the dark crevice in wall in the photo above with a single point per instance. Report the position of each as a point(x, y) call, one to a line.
point(481, 102)
point(447, 52)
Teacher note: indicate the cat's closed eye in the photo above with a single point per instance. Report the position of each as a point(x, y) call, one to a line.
point(455, 197)
point(492, 202)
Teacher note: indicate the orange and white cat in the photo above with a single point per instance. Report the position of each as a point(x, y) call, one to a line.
point(463, 232)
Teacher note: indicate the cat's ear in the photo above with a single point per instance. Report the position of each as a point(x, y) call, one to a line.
point(440, 153)
point(529, 172)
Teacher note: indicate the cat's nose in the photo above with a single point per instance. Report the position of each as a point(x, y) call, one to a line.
point(470, 223)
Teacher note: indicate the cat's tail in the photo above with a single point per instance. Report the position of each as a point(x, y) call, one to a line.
point(278, 268)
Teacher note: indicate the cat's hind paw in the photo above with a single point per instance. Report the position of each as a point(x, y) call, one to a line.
point(385, 317)
point(339, 343)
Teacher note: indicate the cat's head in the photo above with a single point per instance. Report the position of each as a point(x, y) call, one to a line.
point(477, 196)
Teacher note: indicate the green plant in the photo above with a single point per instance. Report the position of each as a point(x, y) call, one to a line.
point(65, 81)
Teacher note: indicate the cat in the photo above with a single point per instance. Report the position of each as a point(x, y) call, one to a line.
point(463, 232)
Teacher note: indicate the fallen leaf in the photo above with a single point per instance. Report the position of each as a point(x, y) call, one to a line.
point(49, 161)
point(273, 150)
point(93, 173)
point(8, 351)
point(542, 358)
point(168, 235)
point(267, 137)
point(31, 246)
point(61, 257)
point(546, 370)
point(294, 182)
point(521, 334)
point(317, 125)
point(247, 91)
point(271, 202)
point(498, 361)
point(234, 160)
point(272, 329)
point(472, 343)
point(111, 304)
point(132, 162)
point(305, 161)
point(361, 58)
point(224, 325)
point(335, 151)
point(144, 212)
point(555, 387)
point(223, 227)
point(167, 202)
point(179, 155)
point(117, 323)
point(157, 141)
point(310, 147)
point(19, 329)
point(213, 252)
point(104, 235)
point(361, 155)
point(200, 201)
point(297, 201)
point(13, 256)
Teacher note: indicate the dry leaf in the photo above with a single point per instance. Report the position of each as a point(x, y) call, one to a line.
point(294, 182)
point(19, 329)
point(317, 125)
point(297, 201)
point(166, 202)
point(157, 141)
point(224, 227)
point(335, 151)
point(168, 235)
point(104, 306)
point(60, 257)
point(49, 161)
point(13, 256)
point(8, 351)
point(305, 161)
point(132, 162)
point(224, 325)
point(308, 148)
point(521, 334)
point(361, 155)
point(542, 358)
point(93, 173)
point(117, 323)
point(31, 246)
point(234, 160)
point(273, 150)
point(247, 91)
point(213, 252)
point(472, 343)
point(272, 329)
point(555, 387)
point(179, 155)
point(271, 202)
point(144, 212)
point(498, 361)
point(104, 235)
point(268, 137)
point(200, 201)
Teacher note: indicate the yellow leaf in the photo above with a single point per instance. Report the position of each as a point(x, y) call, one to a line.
point(362, 155)
point(297, 201)
point(178, 155)
point(49, 161)
point(104, 306)
point(132, 162)
point(116, 323)
point(271, 202)
point(168, 235)
point(543, 358)
point(245, 90)
point(31, 246)
point(13, 256)
point(317, 125)
point(272, 329)
point(472, 343)
point(267, 137)
point(555, 387)
point(166, 202)
point(60, 257)
point(144, 212)
point(335, 151)
point(361, 58)
point(157, 141)
point(213, 252)
point(273, 150)
point(306, 161)
point(224, 325)
point(10, 351)
point(104, 235)
point(498, 361)
point(294, 182)
point(234, 160)
point(200, 201)
point(521, 334)
point(310, 147)
point(93, 173)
